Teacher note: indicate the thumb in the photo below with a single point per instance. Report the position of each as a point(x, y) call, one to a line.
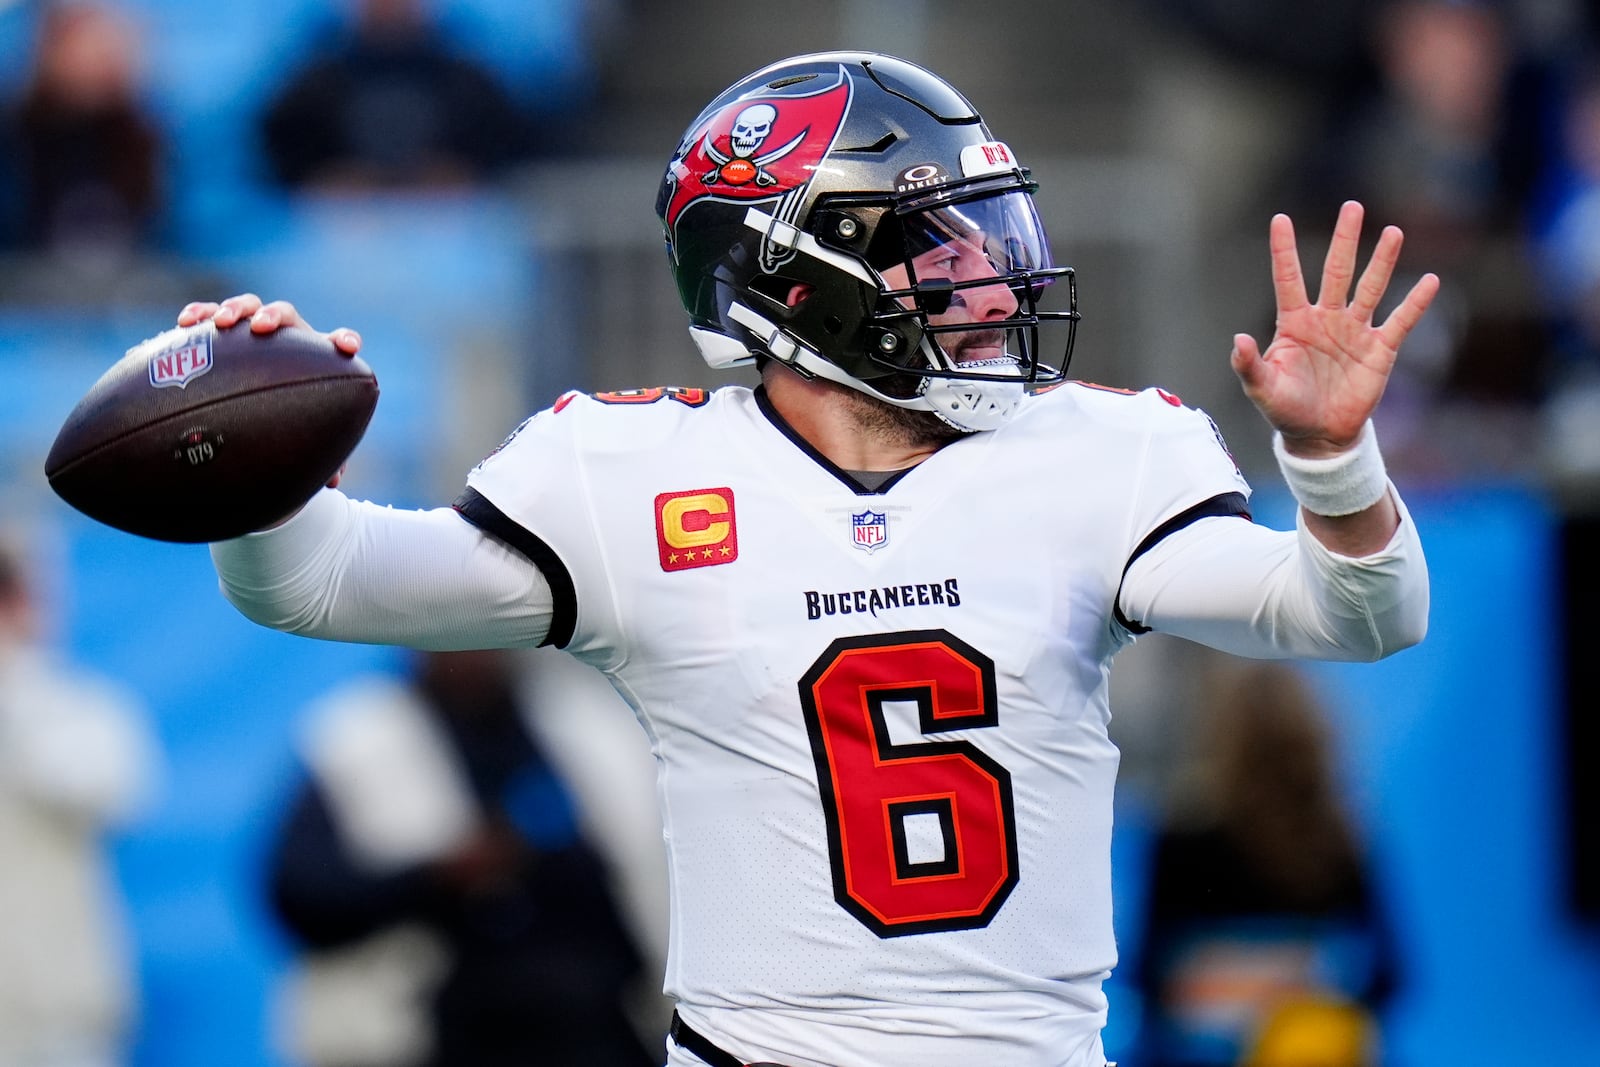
point(1245, 357)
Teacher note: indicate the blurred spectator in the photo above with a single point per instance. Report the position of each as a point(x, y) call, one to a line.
point(75, 761)
point(433, 867)
point(1446, 144)
point(83, 159)
point(1264, 943)
point(392, 104)
point(1569, 253)
point(1430, 146)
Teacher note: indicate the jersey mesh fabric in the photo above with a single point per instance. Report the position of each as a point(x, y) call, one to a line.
point(873, 857)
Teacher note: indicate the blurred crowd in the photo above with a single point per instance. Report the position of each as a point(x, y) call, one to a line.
point(78, 764)
point(1472, 124)
point(433, 870)
point(1266, 940)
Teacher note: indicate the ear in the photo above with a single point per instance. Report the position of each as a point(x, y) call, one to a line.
point(798, 293)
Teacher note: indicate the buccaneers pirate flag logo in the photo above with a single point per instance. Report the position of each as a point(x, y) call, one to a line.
point(756, 148)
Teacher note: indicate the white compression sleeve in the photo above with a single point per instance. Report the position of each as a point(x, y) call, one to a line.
point(1252, 591)
point(349, 570)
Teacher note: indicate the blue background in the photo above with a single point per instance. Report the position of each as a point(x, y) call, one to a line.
point(1452, 753)
point(1452, 750)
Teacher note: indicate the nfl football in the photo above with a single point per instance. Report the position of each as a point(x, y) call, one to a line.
point(201, 434)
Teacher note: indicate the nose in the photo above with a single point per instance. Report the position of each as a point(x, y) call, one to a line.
point(986, 302)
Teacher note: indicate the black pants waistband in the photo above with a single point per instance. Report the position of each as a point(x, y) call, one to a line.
point(689, 1038)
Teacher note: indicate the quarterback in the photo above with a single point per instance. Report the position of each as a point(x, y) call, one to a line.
point(866, 611)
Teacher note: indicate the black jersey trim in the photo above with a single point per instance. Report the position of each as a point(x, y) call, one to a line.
point(476, 509)
point(1227, 505)
point(765, 404)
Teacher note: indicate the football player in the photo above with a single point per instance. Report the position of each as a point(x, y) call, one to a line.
point(866, 611)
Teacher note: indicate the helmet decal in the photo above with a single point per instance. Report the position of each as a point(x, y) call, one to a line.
point(850, 215)
point(757, 148)
point(993, 157)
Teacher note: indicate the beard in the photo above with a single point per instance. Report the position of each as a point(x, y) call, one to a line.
point(920, 428)
point(896, 425)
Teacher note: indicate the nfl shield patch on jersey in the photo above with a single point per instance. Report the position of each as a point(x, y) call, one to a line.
point(869, 530)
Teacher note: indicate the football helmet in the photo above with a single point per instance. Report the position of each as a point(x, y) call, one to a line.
point(850, 215)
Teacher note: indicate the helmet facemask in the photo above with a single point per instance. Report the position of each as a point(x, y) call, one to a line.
point(963, 281)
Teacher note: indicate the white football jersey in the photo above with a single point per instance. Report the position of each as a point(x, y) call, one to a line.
point(880, 718)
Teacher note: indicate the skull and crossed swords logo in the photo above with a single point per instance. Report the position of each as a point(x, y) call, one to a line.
point(754, 148)
point(751, 128)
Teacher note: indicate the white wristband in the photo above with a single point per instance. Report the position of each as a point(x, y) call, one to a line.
point(1344, 484)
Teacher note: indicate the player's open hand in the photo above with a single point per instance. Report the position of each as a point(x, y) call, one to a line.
point(263, 318)
point(1325, 370)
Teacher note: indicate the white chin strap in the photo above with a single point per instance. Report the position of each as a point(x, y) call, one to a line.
point(971, 406)
point(968, 406)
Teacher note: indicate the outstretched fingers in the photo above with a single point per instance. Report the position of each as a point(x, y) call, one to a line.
point(1375, 279)
point(1403, 318)
point(1340, 265)
point(1288, 284)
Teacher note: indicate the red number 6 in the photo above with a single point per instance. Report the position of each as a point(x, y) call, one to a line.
point(871, 788)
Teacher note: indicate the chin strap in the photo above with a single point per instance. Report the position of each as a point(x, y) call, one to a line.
point(783, 346)
point(972, 406)
point(964, 404)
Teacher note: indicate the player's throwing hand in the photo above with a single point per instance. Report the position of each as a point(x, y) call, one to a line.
point(263, 318)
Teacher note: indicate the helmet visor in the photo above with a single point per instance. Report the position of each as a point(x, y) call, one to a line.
point(1005, 228)
point(976, 275)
